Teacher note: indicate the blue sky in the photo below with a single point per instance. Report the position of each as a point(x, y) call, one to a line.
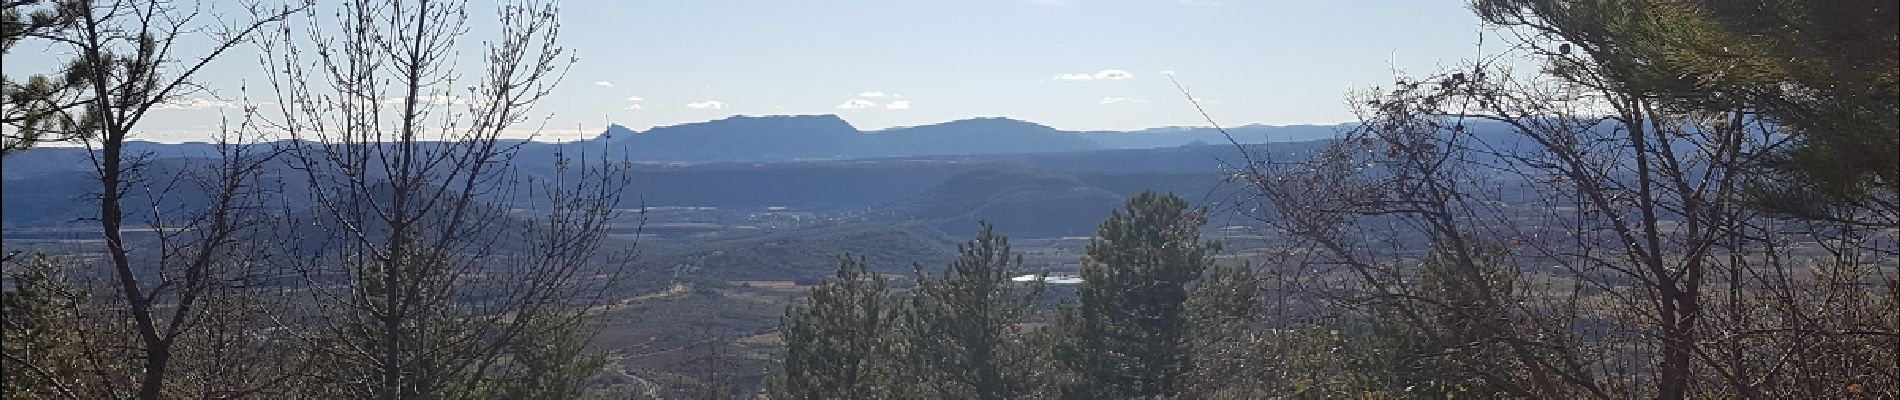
point(893, 63)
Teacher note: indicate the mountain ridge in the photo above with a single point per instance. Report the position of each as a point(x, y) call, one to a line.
point(828, 136)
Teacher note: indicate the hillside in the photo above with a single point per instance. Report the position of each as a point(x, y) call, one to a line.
point(43, 198)
point(828, 137)
point(1030, 202)
point(1182, 135)
point(976, 136)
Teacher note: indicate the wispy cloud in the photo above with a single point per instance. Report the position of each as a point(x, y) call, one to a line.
point(194, 103)
point(436, 99)
point(636, 98)
point(440, 99)
point(1167, 72)
point(707, 105)
point(634, 107)
point(873, 94)
point(604, 83)
point(854, 104)
point(899, 105)
point(1106, 75)
point(1118, 100)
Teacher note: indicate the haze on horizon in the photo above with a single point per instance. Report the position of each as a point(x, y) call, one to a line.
point(1069, 64)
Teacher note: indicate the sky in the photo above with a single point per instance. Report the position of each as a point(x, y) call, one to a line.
point(1069, 64)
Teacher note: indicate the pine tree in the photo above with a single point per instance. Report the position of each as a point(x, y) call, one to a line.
point(42, 347)
point(837, 346)
point(1223, 305)
point(552, 363)
point(46, 105)
point(1223, 309)
point(1225, 299)
point(1805, 66)
point(960, 325)
point(1129, 334)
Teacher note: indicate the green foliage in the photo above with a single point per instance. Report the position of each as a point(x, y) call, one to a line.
point(1822, 72)
point(1225, 300)
point(1137, 330)
point(960, 325)
point(552, 362)
point(1225, 312)
point(1444, 335)
point(838, 345)
point(42, 346)
point(537, 351)
point(1129, 331)
point(1826, 69)
point(39, 107)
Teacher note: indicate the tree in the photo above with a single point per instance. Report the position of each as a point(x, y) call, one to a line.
point(1808, 67)
point(1224, 311)
point(1812, 89)
point(1224, 300)
point(549, 363)
point(961, 325)
point(40, 108)
point(838, 345)
point(42, 348)
point(1628, 264)
point(418, 286)
point(179, 289)
point(1130, 332)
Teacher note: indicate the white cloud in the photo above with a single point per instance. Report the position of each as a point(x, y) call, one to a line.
point(429, 100)
point(1167, 72)
point(899, 105)
point(873, 94)
point(551, 134)
point(635, 98)
point(633, 107)
point(707, 105)
point(392, 101)
point(1117, 100)
point(1107, 74)
point(854, 104)
point(194, 103)
point(441, 99)
point(604, 83)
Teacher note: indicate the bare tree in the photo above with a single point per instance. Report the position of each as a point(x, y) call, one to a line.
point(421, 285)
point(1581, 227)
point(175, 279)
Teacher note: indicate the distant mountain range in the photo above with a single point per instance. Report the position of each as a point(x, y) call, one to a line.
point(792, 138)
point(1036, 180)
point(1052, 193)
point(947, 175)
point(828, 137)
